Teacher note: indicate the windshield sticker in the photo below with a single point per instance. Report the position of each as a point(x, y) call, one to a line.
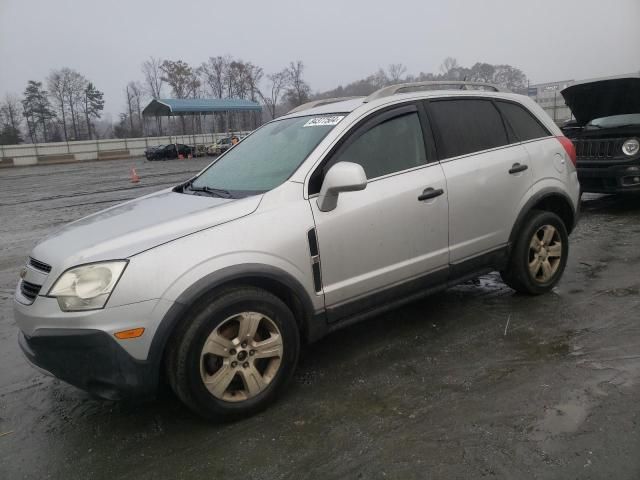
point(324, 121)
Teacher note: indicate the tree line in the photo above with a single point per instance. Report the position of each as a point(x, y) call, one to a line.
point(67, 106)
point(218, 77)
point(63, 110)
point(502, 75)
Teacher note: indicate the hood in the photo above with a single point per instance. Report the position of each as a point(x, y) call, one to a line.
point(132, 227)
point(603, 98)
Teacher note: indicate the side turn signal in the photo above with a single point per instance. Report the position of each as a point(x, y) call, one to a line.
point(127, 334)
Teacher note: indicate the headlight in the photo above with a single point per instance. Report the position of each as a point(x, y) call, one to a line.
point(631, 147)
point(87, 287)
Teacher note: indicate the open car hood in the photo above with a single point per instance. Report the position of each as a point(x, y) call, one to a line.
point(603, 98)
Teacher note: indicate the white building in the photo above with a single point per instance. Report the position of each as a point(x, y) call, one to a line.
point(547, 95)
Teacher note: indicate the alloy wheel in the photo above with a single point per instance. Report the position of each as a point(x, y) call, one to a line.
point(241, 357)
point(545, 253)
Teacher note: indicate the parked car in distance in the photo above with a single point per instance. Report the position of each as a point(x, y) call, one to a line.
point(150, 152)
point(323, 217)
point(200, 150)
point(169, 152)
point(212, 150)
point(220, 146)
point(606, 133)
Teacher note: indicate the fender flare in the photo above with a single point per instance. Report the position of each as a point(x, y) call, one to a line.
point(537, 197)
point(214, 280)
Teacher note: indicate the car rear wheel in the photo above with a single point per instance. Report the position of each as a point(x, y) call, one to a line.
point(539, 255)
point(234, 355)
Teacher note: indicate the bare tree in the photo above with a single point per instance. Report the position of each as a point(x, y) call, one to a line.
point(481, 72)
point(10, 111)
point(133, 92)
point(448, 67)
point(181, 78)
point(153, 78)
point(253, 77)
point(152, 71)
point(299, 90)
point(277, 84)
point(396, 72)
point(509, 77)
point(77, 85)
point(10, 121)
point(234, 73)
point(214, 72)
point(138, 93)
point(58, 87)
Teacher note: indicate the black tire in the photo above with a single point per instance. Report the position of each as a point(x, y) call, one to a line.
point(184, 352)
point(517, 275)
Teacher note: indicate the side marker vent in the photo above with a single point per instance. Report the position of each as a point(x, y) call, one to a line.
point(315, 260)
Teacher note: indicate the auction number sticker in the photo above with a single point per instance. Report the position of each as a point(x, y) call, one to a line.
point(324, 121)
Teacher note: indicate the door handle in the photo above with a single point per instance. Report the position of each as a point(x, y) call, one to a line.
point(430, 193)
point(517, 168)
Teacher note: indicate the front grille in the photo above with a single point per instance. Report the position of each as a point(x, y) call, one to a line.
point(598, 149)
point(38, 265)
point(29, 290)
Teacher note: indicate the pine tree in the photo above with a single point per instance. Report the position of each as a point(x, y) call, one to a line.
point(93, 105)
point(36, 109)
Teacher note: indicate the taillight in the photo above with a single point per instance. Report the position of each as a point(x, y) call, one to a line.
point(569, 147)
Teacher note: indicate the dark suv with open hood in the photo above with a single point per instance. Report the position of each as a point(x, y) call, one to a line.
point(607, 134)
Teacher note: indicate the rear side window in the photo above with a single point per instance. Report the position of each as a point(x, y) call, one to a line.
point(524, 124)
point(389, 147)
point(466, 126)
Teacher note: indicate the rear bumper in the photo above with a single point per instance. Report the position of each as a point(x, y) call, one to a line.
point(90, 360)
point(610, 178)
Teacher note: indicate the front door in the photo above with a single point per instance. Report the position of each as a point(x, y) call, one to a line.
point(391, 234)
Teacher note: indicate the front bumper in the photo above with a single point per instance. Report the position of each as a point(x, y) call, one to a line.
point(610, 178)
point(81, 349)
point(91, 360)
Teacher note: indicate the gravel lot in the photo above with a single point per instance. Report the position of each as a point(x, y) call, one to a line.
point(477, 381)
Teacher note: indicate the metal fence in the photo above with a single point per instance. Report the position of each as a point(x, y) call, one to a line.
point(86, 150)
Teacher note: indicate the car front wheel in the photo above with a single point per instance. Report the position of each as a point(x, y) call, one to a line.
point(233, 356)
point(539, 254)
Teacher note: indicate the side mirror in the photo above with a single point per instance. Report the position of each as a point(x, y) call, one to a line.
point(342, 177)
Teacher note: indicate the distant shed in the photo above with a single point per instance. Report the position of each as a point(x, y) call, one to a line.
point(189, 106)
point(244, 111)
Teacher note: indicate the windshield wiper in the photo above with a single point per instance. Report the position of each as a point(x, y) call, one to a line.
point(615, 126)
point(216, 192)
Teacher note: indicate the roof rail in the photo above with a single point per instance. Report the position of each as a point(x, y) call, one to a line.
point(319, 103)
point(393, 89)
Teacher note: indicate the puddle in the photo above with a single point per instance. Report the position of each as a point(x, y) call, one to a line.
point(559, 419)
point(620, 292)
point(541, 348)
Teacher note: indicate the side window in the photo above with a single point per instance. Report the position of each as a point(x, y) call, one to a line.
point(392, 146)
point(524, 124)
point(466, 126)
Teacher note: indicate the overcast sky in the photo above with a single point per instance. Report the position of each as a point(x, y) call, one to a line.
point(339, 40)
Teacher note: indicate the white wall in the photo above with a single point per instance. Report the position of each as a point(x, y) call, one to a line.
point(32, 154)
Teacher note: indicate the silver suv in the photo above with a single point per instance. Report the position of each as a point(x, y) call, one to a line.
point(331, 214)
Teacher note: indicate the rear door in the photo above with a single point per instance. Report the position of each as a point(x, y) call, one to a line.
point(487, 173)
point(546, 153)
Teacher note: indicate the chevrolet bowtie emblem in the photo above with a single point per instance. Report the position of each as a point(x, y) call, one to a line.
point(23, 273)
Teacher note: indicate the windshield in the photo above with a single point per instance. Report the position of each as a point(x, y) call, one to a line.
point(615, 121)
point(268, 157)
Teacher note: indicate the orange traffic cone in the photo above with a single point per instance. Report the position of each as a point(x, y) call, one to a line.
point(134, 176)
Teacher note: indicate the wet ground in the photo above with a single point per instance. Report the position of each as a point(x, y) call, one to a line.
point(475, 382)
